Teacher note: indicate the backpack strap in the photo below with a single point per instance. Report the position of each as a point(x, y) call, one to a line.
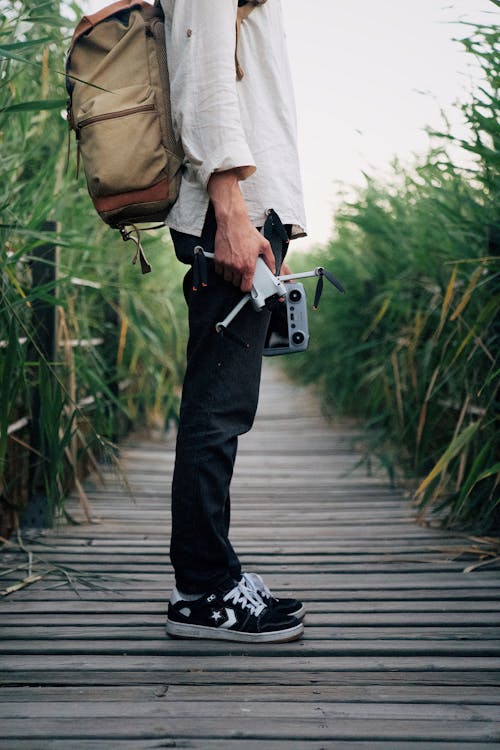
point(245, 7)
point(88, 22)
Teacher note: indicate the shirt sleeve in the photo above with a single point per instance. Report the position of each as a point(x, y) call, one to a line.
point(204, 99)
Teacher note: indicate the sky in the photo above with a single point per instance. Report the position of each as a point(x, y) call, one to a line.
point(369, 77)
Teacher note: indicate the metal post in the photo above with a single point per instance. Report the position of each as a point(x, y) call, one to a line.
point(44, 325)
point(112, 323)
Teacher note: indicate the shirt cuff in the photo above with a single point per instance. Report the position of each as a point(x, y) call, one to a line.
point(233, 156)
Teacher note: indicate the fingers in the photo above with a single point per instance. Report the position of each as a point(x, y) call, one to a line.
point(236, 255)
point(234, 277)
point(247, 280)
point(230, 274)
point(242, 278)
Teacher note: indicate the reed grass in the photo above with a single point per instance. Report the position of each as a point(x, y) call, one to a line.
point(136, 317)
point(412, 348)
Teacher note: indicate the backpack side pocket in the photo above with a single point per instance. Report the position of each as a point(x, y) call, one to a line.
point(120, 140)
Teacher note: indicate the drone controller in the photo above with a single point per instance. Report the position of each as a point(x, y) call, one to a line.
point(288, 330)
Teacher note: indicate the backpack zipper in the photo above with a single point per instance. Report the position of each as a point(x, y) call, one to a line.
point(102, 118)
point(114, 115)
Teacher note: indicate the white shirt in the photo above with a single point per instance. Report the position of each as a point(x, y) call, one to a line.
point(225, 123)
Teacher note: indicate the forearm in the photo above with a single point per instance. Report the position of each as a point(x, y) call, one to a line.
point(227, 198)
point(238, 244)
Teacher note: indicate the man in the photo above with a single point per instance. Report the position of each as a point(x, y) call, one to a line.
point(236, 120)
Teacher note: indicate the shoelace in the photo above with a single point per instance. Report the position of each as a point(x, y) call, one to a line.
point(247, 599)
point(255, 584)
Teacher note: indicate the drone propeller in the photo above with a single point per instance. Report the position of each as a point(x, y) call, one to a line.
point(336, 283)
point(319, 286)
point(318, 292)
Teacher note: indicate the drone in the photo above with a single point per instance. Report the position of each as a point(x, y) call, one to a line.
point(267, 288)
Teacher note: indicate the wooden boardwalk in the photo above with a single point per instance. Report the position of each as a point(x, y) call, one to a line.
point(401, 649)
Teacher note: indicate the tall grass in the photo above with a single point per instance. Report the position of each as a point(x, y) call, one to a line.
point(413, 346)
point(135, 315)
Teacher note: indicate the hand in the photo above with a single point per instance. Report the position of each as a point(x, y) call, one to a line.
point(237, 243)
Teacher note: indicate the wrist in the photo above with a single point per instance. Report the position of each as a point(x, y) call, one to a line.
point(226, 197)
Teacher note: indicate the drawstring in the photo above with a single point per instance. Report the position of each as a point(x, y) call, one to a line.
point(274, 223)
point(276, 234)
point(77, 159)
point(69, 118)
point(245, 7)
point(139, 253)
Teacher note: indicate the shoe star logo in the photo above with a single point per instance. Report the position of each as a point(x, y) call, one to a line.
point(217, 616)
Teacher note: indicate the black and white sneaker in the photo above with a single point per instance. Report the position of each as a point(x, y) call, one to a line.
point(234, 615)
point(292, 607)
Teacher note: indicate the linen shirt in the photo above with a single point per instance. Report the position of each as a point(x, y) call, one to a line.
point(223, 123)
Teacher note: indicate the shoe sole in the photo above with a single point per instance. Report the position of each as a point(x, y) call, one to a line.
point(181, 630)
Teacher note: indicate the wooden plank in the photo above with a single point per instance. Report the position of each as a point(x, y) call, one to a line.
point(413, 694)
point(163, 708)
point(387, 647)
point(110, 728)
point(240, 662)
point(469, 679)
point(29, 639)
point(243, 744)
point(43, 594)
point(391, 560)
point(319, 586)
point(163, 568)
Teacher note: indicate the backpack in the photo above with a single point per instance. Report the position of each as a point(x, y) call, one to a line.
point(119, 107)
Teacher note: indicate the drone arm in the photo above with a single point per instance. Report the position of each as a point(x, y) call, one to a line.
point(303, 275)
point(223, 324)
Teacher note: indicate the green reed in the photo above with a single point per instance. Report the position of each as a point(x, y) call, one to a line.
point(413, 347)
point(136, 371)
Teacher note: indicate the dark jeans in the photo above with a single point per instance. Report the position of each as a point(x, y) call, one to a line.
point(219, 400)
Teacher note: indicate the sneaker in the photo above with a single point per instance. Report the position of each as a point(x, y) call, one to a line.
point(292, 607)
point(235, 615)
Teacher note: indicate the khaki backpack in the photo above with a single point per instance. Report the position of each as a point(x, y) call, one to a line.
point(119, 107)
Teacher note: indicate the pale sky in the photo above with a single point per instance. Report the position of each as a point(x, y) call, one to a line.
point(369, 76)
